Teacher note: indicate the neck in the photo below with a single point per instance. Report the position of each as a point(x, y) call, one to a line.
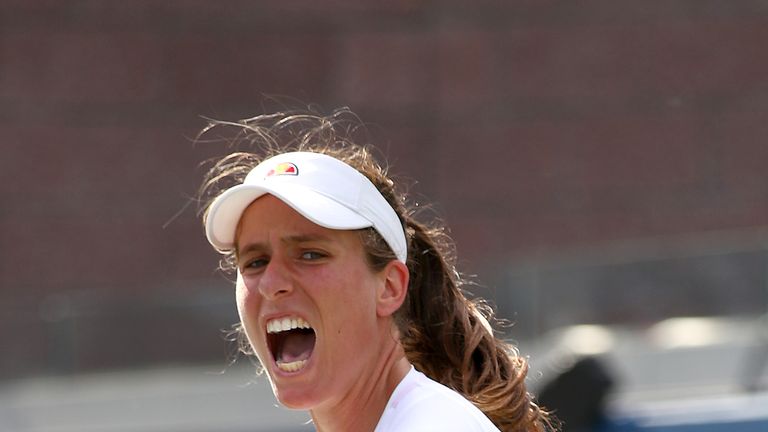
point(360, 409)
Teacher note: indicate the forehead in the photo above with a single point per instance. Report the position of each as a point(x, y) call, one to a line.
point(268, 217)
point(268, 211)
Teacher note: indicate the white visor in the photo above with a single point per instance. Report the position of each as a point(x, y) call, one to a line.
point(321, 188)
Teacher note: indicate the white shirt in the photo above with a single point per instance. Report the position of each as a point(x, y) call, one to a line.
point(420, 404)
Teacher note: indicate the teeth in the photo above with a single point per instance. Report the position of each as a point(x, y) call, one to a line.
point(292, 366)
point(285, 324)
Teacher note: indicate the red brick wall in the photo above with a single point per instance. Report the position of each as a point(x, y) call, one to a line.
point(533, 125)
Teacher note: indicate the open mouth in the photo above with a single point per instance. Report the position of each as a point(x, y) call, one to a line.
point(291, 341)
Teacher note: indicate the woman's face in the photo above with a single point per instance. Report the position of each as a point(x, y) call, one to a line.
point(307, 301)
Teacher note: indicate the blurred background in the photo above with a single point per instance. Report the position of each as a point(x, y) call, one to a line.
point(601, 165)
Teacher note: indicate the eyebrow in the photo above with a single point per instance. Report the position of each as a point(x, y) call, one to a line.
point(292, 239)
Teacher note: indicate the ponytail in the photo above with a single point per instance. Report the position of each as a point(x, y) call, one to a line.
point(448, 338)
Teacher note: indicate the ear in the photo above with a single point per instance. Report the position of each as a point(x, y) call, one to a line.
point(391, 294)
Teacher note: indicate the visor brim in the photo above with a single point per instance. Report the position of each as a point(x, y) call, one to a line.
point(226, 210)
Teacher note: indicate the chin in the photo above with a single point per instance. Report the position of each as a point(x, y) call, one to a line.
point(294, 399)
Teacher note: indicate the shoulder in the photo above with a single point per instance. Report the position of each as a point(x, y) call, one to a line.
point(420, 404)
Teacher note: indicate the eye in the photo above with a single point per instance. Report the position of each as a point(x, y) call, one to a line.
point(254, 263)
point(312, 255)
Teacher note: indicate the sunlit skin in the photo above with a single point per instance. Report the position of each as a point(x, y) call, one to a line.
point(289, 266)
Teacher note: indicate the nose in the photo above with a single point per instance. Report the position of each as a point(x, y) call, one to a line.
point(275, 282)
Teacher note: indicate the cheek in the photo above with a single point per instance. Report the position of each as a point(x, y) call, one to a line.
point(240, 295)
point(246, 308)
point(353, 302)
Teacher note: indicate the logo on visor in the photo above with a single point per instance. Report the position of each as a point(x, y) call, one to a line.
point(283, 168)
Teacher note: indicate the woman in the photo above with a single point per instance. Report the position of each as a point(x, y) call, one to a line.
point(352, 306)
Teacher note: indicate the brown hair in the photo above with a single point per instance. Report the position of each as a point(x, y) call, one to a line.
point(445, 334)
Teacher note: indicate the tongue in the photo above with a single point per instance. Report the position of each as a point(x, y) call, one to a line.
point(297, 345)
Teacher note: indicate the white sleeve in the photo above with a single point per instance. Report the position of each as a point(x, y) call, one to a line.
point(420, 404)
point(426, 416)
